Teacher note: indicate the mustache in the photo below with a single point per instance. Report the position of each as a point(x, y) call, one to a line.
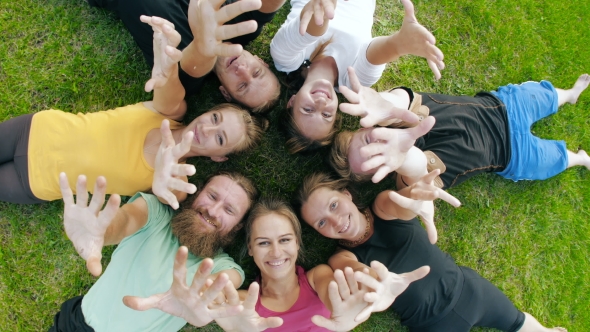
point(203, 212)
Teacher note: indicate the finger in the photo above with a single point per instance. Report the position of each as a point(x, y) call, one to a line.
point(402, 114)
point(168, 197)
point(355, 83)
point(109, 212)
point(408, 10)
point(343, 289)
point(226, 13)
point(202, 275)
point(66, 191)
point(380, 269)
point(182, 170)
point(181, 149)
point(167, 138)
point(374, 148)
point(430, 229)
point(150, 84)
point(368, 281)
point(252, 298)
point(305, 18)
point(434, 67)
point(352, 284)
point(364, 314)
point(179, 273)
point(402, 201)
point(81, 192)
point(269, 323)
point(334, 295)
point(143, 303)
point(381, 174)
point(372, 163)
point(228, 50)
point(445, 196)
point(100, 188)
point(174, 53)
point(417, 274)
point(352, 109)
point(422, 128)
point(424, 195)
point(181, 185)
point(328, 9)
point(172, 36)
point(318, 14)
point(233, 30)
point(429, 178)
point(324, 322)
point(93, 264)
point(231, 294)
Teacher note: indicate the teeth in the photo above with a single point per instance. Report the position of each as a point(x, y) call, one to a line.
point(277, 263)
point(345, 227)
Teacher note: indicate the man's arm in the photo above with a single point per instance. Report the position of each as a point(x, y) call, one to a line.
point(343, 258)
point(271, 6)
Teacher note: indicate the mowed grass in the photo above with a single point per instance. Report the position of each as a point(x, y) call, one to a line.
point(531, 239)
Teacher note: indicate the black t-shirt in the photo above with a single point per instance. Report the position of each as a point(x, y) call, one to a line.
point(470, 135)
point(403, 246)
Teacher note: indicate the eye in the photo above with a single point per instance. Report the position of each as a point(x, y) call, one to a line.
point(257, 73)
point(307, 110)
point(333, 206)
point(229, 211)
point(367, 139)
point(286, 240)
point(326, 115)
point(321, 223)
point(242, 86)
point(220, 140)
point(215, 118)
point(211, 196)
point(263, 243)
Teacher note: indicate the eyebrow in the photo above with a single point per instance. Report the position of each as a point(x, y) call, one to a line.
point(248, 88)
point(280, 236)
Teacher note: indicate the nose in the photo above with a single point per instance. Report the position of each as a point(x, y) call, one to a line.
point(241, 69)
point(207, 130)
point(335, 221)
point(275, 251)
point(214, 210)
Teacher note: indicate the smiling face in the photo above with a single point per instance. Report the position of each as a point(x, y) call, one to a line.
point(314, 108)
point(220, 206)
point(247, 79)
point(333, 214)
point(273, 245)
point(216, 133)
point(359, 139)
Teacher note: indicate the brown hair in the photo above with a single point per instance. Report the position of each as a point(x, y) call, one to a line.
point(255, 126)
point(296, 142)
point(316, 181)
point(240, 180)
point(339, 158)
point(267, 206)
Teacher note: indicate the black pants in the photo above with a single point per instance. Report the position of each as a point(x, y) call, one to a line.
point(70, 318)
point(14, 170)
point(481, 304)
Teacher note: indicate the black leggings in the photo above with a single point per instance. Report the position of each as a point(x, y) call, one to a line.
point(14, 170)
point(70, 318)
point(480, 304)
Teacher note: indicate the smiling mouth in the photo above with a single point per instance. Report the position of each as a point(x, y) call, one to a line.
point(345, 228)
point(196, 135)
point(322, 92)
point(231, 61)
point(207, 220)
point(277, 263)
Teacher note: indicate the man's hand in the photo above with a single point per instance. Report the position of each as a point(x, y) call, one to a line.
point(206, 19)
point(86, 225)
point(349, 308)
point(389, 286)
point(188, 303)
point(389, 147)
point(369, 105)
point(413, 38)
point(166, 56)
point(248, 320)
point(419, 198)
point(319, 10)
point(167, 170)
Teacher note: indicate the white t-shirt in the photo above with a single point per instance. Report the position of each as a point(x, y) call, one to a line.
point(350, 31)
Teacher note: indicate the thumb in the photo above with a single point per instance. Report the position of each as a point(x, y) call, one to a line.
point(423, 127)
point(430, 229)
point(93, 264)
point(149, 85)
point(417, 274)
point(324, 322)
point(402, 201)
point(271, 323)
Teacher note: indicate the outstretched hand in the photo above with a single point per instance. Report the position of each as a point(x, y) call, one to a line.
point(389, 286)
point(349, 308)
point(248, 319)
point(414, 38)
point(188, 302)
point(86, 225)
point(207, 18)
point(369, 105)
point(319, 10)
point(167, 170)
point(166, 55)
point(419, 198)
point(389, 147)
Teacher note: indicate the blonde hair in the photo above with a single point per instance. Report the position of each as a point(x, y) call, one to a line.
point(268, 104)
point(255, 127)
point(268, 206)
point(339, 158)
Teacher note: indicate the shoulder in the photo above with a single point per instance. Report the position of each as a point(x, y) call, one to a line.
point(318, 274)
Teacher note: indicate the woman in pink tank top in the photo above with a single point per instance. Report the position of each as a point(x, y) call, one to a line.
point(285, 297)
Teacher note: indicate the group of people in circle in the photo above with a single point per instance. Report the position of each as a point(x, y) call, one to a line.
point(173, 261)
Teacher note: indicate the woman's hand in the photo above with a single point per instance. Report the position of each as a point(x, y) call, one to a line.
point(349, 308)
point(167, 170)
point(369, 105)
point(419, 198)
point(389, 148)
point(86, 225)
point(389, 285)
point(166, 56)
point(188, 302)
point(320, 10)
point(248, 319)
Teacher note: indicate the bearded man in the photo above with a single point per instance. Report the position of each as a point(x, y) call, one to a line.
point(149, 238)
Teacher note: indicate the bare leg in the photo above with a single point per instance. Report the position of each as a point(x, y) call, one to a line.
point(578, 159)
point(571, 95)
point(532, 325)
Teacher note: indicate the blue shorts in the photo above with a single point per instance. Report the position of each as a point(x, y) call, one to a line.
point(532, 158)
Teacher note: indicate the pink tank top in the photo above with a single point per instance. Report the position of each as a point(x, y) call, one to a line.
point(298, 317)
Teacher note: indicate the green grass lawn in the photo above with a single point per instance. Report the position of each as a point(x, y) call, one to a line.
point(531, 239)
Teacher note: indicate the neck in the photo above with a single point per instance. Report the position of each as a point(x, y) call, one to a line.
point(278, 288)
point(324, 68)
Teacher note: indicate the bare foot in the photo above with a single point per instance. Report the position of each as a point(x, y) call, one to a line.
point(561, 329)
point(585, 157)
point(580, 85)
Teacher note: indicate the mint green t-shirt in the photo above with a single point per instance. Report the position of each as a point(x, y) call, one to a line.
point(142, 265)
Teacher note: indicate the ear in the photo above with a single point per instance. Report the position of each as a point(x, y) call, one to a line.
point(249, 250)
point(219, 159)
point(291, 101)
point(262, 61)
point(225, 93)
point(347, 193)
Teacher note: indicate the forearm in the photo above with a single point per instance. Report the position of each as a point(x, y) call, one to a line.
point(414, 166)
point(194, 63)
point(287, 47)
point(271, 6)
point(169, 99)
point(129, 219)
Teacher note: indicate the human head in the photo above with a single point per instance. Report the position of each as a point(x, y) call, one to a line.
point(297, 142)
point(211, 220)
point(225, 129)
point(327, 205)
point(346, 152)
point(272, 219)
point(247, 80)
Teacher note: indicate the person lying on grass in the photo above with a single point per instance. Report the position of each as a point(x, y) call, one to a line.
point(389, 238)
point(121, 144)
point(245, 78)
point(327, 42)
point(149, 236)
point(490, 132)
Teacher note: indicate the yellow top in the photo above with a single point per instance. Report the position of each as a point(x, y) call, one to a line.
point(108, 143)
